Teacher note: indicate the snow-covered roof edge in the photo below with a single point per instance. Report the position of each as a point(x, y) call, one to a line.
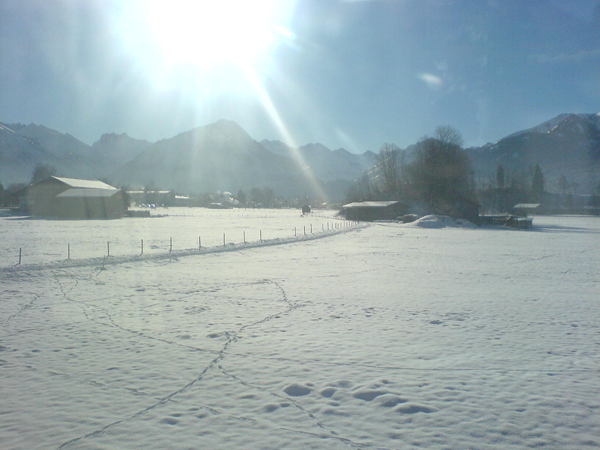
point(84, 184)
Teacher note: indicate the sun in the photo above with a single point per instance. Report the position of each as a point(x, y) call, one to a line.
point(210, 34)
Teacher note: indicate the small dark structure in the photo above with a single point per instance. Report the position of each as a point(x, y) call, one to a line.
point(494, 219)
point(369, 211)
point(520, 223)
point(72, 198)
point(306, 209)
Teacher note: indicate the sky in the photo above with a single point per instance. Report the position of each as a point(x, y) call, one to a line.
point(352, 74)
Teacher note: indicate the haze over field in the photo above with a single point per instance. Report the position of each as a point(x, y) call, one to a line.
point(390, 336)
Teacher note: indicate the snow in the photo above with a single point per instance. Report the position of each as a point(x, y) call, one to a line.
point(435, 221)
point(48, 241)
point(85, 184)
point(552, 124)
point(3, 128)
point(544, 127)
point(384, 336)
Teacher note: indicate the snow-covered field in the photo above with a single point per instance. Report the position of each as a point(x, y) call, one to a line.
point(385, 336)
point(49, 241)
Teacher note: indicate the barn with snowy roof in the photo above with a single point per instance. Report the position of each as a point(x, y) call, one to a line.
point(72, 198)
point(374, 210)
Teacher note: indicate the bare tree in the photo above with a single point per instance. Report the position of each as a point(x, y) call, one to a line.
point(500, 178)
point(563, 184)
point(389, 168)
point(448, 136)
point(268, 197)
point(537, 184)
point(441, 171)
point(256, 196)
point(362, 189)
point(41, 172)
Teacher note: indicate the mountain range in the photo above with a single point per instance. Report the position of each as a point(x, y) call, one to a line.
point(567, 146)
point(223, 157)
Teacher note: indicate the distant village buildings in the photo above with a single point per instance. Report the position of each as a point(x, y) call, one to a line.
point(72, 198)
point(159, 198)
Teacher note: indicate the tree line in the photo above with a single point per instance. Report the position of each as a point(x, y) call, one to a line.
point(435, 175)
point(438, 176)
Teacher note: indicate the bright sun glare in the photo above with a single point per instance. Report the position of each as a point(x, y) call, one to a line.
point(220, 44)
point(208, 34)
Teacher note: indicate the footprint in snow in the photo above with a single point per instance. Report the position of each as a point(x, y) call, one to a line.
point(297, 390)
point(389, 401)
point(169, 421)
point(335, 412)
point(214, 335)
point(368, 395)
point(413, 408)
point(270, 408)
point(328, 392)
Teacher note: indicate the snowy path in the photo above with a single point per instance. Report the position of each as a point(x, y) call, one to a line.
point(384, 337)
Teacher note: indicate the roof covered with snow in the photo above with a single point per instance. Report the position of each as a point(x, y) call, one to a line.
point(380, 204)
point(528, 205)
point(88, 193)
point(84, 184)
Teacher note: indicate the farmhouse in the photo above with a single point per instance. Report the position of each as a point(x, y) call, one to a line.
point(376, 210)
point(72, 198)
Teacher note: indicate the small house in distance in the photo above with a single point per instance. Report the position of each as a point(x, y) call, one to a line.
point(72, 198)
point(159, 198)
point(376, 210)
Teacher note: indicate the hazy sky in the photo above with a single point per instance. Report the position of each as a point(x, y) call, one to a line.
point(351, 74)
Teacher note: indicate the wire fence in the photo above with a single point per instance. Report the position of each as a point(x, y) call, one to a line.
point(120, 248)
